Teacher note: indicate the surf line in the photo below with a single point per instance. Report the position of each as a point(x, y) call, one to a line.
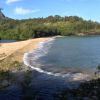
point(37, 52)
point(27, 61)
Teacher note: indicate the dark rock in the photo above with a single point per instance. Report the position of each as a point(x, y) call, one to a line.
point(2, 16)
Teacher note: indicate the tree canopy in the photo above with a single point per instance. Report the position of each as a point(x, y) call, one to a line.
point(49, 26)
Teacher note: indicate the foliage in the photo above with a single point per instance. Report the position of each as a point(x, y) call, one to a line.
point(86, 91)
point(49, 26)
point(4, 74)
point(98, 67)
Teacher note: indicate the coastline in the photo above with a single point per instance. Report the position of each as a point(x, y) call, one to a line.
point(15, 51)
point(32, 83)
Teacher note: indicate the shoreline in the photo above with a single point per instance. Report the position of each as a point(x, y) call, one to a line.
point(17, 53)
point(11, 52)
point(75, 77)
point(31, 81)
point(26, 46)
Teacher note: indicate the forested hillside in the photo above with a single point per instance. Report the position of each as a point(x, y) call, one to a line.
point(49, 26)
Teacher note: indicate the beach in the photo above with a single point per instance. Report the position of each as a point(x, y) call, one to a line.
point(31, 80)
point(13, 54)
point(15, 51)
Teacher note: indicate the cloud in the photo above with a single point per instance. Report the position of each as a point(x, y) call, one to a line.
point(12, 1)
point(24, 11)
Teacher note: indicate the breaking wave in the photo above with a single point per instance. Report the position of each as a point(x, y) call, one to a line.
point(30, 60)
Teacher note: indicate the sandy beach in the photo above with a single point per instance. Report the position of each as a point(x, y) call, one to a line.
point(14, 51)
point(22, 47)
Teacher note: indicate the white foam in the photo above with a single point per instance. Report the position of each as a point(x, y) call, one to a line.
point(79, 76)
point(36, 54)
point(41, 51)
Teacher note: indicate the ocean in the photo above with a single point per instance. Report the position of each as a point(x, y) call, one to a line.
point(7, 41)
point(58, 64)
point(72, 57)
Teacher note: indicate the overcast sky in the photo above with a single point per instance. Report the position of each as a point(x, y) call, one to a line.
point(22, 9)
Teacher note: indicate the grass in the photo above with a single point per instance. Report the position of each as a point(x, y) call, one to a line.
point(9, 64)
point(5, 78)
point(4, 75)
point(6, 67)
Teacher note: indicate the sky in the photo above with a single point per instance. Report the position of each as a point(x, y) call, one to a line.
point(24, 9)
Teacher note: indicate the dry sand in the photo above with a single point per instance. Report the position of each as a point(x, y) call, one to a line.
point(17, 49)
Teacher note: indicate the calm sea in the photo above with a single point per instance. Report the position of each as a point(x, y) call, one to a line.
point(64, 55)
point(7, 41)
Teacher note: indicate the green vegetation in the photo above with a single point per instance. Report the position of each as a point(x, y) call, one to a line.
point(98, 67)
point(50, 26)
point(86, 91)
point(4, 75)
point(97, 73)
point(10, 64)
